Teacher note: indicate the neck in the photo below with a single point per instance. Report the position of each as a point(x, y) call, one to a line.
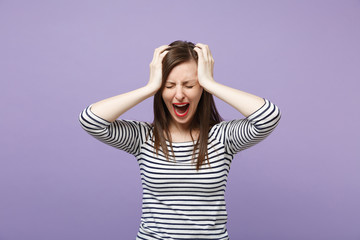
point(180, 132)
point(179, 128)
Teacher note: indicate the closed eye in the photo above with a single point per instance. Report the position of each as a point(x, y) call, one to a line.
point(189, 86)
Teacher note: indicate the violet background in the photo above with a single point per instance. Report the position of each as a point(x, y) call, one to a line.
point(57, 57)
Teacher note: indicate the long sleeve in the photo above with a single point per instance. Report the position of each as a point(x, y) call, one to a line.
point(240, 134)
point(122, 134)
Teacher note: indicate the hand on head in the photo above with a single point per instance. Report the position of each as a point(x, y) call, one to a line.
point(205, 64)
point(156, 67)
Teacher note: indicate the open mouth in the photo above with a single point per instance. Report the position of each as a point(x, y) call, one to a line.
point(181, 109)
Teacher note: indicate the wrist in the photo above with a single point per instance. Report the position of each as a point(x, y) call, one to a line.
point(209, 85)
point(152, 88)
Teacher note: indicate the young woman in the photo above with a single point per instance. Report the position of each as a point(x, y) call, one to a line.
point(185, 154)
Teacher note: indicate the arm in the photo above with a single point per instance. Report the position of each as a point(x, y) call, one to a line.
point(262, 116)
point(244, 102)
point(125, 135)
point(100, 119)
point(111, 108)
point(240, 134)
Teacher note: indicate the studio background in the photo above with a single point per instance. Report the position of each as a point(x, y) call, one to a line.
point(57, 57)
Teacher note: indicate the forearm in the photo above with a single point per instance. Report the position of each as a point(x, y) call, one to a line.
point(112, 108)
point(245, 103)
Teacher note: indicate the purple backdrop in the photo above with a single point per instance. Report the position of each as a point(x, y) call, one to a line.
point(57, 57)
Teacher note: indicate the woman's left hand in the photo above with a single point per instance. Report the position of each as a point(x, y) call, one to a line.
point(205, 64)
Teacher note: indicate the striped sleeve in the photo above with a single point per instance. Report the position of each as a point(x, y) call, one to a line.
point(240, 134)
point(125, 135)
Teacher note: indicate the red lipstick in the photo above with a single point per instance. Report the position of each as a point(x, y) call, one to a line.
point(181, 109)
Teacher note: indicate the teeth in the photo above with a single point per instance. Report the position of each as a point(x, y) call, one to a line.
point(182, 105)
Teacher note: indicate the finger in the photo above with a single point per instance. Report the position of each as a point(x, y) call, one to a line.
point(159, 51)
point(163, 47)
point(206, 51)
point(204, 48)
point(210, 54)
point(200, 44)
point(199, 52)
point(162, 55)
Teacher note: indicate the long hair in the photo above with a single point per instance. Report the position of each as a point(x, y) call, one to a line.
point(206, 114)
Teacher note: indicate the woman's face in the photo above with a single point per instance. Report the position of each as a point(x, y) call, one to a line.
point(182, 93)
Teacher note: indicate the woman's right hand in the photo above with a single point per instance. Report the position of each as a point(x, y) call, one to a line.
point(156, 68)
point(112, 108)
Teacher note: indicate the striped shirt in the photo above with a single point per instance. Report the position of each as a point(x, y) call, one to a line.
point(178, 201)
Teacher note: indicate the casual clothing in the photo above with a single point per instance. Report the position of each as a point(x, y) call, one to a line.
point(178, 201)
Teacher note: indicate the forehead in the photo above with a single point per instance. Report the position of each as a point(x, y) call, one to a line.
point(183, 72)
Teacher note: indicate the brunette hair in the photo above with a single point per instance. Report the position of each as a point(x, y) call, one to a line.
point(206, 114)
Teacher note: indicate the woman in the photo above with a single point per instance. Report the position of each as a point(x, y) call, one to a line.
point(185, 154)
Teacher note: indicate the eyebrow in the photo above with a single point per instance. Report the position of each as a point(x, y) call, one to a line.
point(185, 82)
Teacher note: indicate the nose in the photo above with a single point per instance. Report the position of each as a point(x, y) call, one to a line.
point(179, 94)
